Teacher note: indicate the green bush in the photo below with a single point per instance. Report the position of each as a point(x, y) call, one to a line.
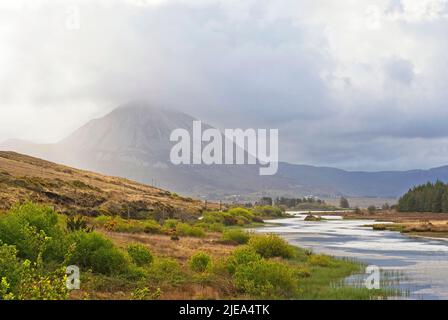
point(9, 266)
point(199, 262)
point(118, 224)
point(166, 271)
point(212, 217)
point(235, 236)
point(152, 226)
point(267, 211)
point(77, 223)
point(22, 225)
point(170, 223)
point(140, 255)
point(184, 229)
point(266, 280)
point(242, 215)
point(241, 212)
point(269, 246)
point(213, 227)
point(320, 260)
point(27, 280)
point(235, 216)
point(240, 256)
point(94, 251)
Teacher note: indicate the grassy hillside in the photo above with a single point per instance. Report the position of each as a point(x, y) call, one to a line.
point(24, 178)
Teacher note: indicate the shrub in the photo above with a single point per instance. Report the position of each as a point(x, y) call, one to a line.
point(184, 229)
point(170, 223)
point(240, 256)
point(241, 212)
point(243, 216)
point(139, 254)
point(27, 280)
point(320, 260)
point(166, 271)
point(269, 246)
point(199, 262)
point(77, 224)
point(94, 251)
point(266, 280)
point(213, 227)
point(37, 285)
point(146, 294)
point(235, 236)
point(213, 217)
point(23, 224)
point(118, 224)
point(267, 211)
point(9, 266)
point(152, 226)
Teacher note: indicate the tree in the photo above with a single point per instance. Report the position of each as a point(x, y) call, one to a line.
point(343, 203)
point(430, 197)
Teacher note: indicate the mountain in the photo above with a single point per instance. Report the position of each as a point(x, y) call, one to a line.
point(24, 178)
point(133, 142)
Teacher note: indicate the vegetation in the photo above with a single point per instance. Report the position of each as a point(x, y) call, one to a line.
point(140, 255)
point(119, 259)
point(307, 203)
point(313, 218)
point(431, 197)
point(343, 203)
point(95, 252)
point(266, 279)
point(235, 236)
point(269, 246)
point(199, 262)
point(268, 211)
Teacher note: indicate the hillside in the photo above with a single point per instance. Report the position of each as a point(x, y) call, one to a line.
point(24, 178)
point(133, 141)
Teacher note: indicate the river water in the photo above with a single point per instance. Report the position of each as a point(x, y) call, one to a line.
point(418, 267)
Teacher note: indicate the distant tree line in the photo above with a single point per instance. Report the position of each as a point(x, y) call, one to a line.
point(293, 202)
point(430, 197)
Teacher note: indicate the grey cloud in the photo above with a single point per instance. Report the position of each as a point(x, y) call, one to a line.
point(340, 94)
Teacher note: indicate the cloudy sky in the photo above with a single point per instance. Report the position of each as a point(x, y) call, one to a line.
point(355, 84)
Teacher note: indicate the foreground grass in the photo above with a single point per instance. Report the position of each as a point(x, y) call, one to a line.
point(210, 258)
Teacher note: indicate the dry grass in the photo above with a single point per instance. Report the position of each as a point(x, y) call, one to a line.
point(416, 223)
point(163, 247)
point(24, 178)
point(181, 250)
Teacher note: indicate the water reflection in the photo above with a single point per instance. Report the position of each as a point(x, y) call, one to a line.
point(417, 266)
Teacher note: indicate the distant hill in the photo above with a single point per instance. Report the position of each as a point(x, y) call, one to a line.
point(24, 178)
point(133, 142)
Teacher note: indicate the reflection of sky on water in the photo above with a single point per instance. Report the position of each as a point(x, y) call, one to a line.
point(424, 262)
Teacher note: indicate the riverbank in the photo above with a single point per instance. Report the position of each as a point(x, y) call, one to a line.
point(416, 267)
point(430, 225)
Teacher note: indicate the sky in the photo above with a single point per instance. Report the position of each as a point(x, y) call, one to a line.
point(353, 84)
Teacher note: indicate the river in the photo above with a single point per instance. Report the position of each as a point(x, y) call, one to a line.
point(416, 266)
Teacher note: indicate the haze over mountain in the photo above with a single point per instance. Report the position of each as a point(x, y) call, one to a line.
point(133, 142)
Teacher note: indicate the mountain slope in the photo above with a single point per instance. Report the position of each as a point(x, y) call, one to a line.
point(24, 178)
point(133, 142)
